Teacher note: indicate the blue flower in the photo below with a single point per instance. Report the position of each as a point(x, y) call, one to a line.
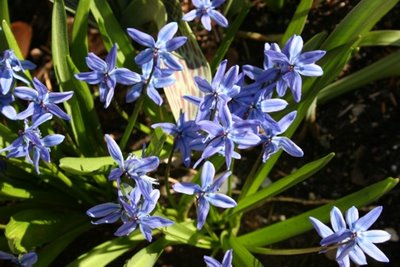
point(355, 240)
point(226, 261)
point(12, 68)
point(43, 101)
point(134, 168)
point(185, 133)
point(217, 94)
point(24, 260)
point(5, 108)
point(137, 213)
point(205, 10)
point(107, 75)
point(271, 142)
point(160, 78)
point(292, 63)
point(106, 212)
point(31, 145)
point(160, 50)
point(222, 137)
point(207, 193)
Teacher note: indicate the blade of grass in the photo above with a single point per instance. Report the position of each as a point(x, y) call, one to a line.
point(298, 21)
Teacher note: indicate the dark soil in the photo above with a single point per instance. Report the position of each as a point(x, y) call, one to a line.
point(361, 127)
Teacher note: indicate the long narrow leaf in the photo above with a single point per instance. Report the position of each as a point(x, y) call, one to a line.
point(148, 256)
point(299, 224)
point(241, 256)
point(359, 20)
point(381, 38)
point(386, 67)
point(281, 185)
point(298, 21)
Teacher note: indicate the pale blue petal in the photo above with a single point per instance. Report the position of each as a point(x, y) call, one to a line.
point(310, 70)
point(220, 200)
point(322, 230)
point(206, 21)
point(207, 174)
point(374, 236)
point(211, 262)
point(202, 211)
point(167, 32)
point(273, 104)
point(351, 216)
point(114, 150)
point(53, 140)
point(337, 220)
point(175, 43)
point(60, 97)
point(191, 15)
point(102, 210)
point(357, 256)
point(368, 219)
point(141, 37)
point(372, 250)
point(95, 63)
point(186, 188)
point(126, 77)
point(126, 229)
point(218, 18)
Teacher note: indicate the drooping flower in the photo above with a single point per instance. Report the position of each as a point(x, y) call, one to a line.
point(23, 260)
point(353, 240)
point(207, 193)
point(226, 261)
point(133, 167)
point(12, 68)
point(159, 78)
point(31, 145)
point(160, 50)
point(292, 63)
point(205, 10)
point(43, 101)
point(185, 133)
point(107, 75)
point(137, 213)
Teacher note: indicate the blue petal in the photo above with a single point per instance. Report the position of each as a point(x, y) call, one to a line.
point(203, 85)
point(54, 109)
point(141, 37)
point(310, 70)
point(168, 128)
point(322, 230)
point(53, 140)
point(126, 77)
point(175, 43)
point(154, 95)
point(126, 228)
point(357, 256)
point(351, 216)
point(111, 58)
point(372, 250)
point(6, 81)
point(26, 93)
point(206, 21)
point(293, 79)
point(95, 63)
point(186, 188)
point(273, 104)
point(220, 200)
point(134, 92)
point(191, 15)
point(207, 174)
point(103, 209)
point(289, 146)
point(337, 220)
point(293, 47)
point(202, 211)
point(286, 121)
point(28, 259)
point(211, 128)
point(310, 57)
point(144, 56)
point(368, 219)
point(167, 32)
point(114, 150)
point(60, 97)
point(218, 18)
point(211, 262)
point(171, 61)
point(374, 236)
point(92, 77)
point(219, 74)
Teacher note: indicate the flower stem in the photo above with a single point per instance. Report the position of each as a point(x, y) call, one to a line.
point(131, 122)
point(297, 251)
point(166, 177)
point(250, 178)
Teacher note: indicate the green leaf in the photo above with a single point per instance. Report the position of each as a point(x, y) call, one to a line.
point(156, 145)
point(388, 66)
point(11, 192)
point(298, 21)
point(301, 223)
point(382, 38)
point(31, 228)
point(229, 37)
point(358, 21)
point(106, 252)
point(148, 256)
point(112, 32)
point(65, 77)
point(48, 253)
point(4, 16)
point(79, 40)
point(87, 166)
point(187, 233)
point(281, 185)
point(141, 13)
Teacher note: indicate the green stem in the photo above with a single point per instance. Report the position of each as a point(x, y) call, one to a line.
point(166, 177)
point(131, 122)
point(210, 232)
point(250, 178)
point(119, 110)
point(288, 252)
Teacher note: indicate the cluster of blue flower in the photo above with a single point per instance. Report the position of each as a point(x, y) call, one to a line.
point(232, 112)
point(42, 106)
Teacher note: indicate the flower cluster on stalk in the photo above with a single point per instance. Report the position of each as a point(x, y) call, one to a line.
point(41, 108)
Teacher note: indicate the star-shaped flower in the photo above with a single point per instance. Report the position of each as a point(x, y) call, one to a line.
point(355, 240)
point(207, 193)
point(43, 101)
point(205, 10)
point(107, 75)
point(160, 50)
point(23, 260)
